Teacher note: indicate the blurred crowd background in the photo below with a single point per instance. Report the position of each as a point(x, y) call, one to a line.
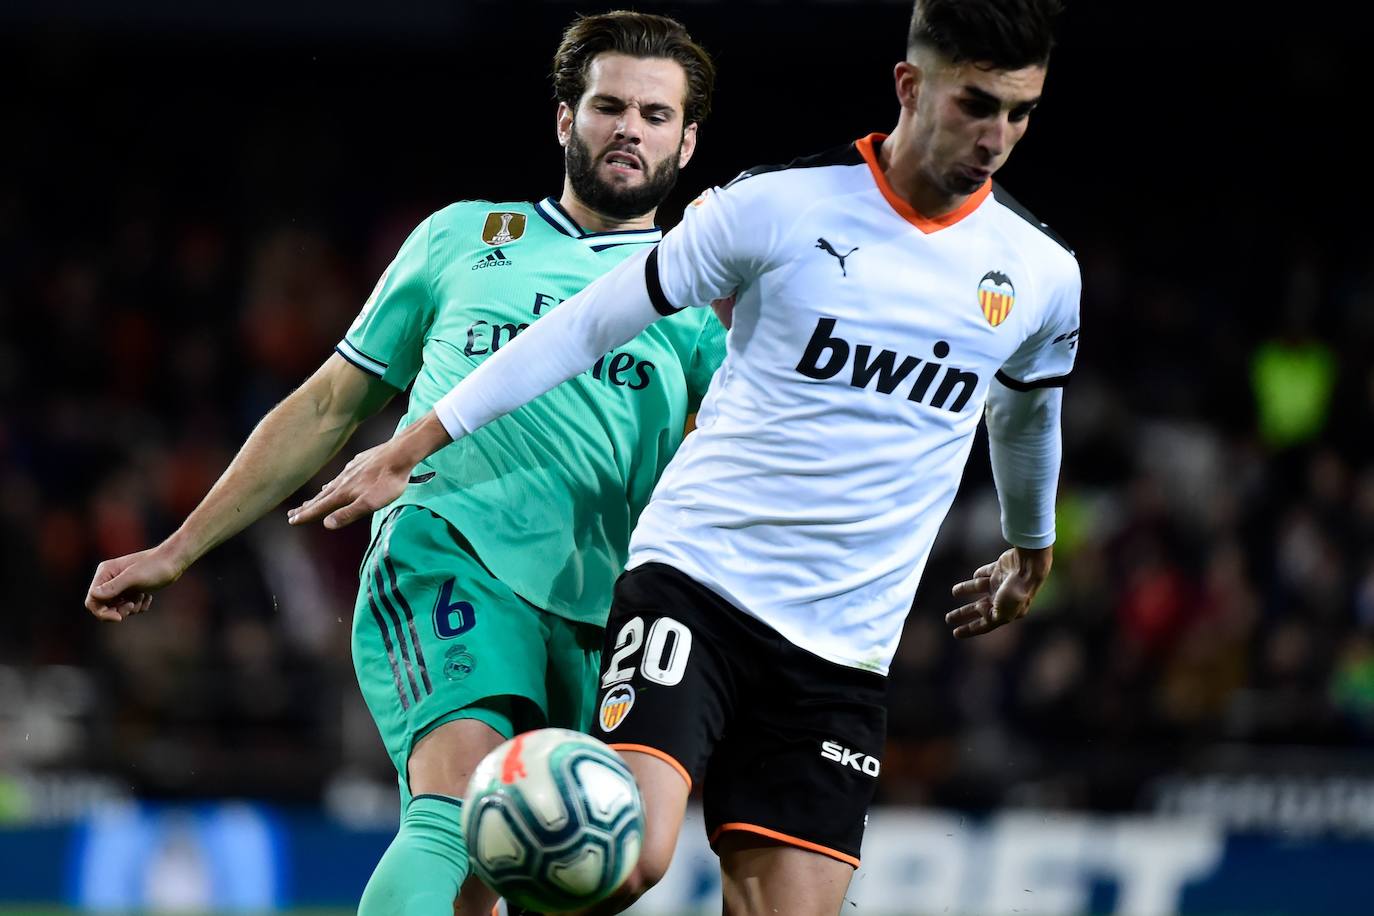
point(194, 208)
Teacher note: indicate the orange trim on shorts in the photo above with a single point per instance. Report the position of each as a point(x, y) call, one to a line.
point(785, 839)
point(925, 223)
point(655, 752)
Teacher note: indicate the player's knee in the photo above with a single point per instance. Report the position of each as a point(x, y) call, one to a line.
point(648, 871)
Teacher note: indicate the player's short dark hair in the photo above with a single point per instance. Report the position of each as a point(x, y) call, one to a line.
point(638, 35)
point(1004, 34)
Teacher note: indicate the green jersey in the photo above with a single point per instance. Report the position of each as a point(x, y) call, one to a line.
point(549, 494)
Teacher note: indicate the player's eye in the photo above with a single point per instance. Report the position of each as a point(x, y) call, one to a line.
point(1020, 113)
point(975, 108)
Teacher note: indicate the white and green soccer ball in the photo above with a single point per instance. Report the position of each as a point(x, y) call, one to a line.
point(553, 820)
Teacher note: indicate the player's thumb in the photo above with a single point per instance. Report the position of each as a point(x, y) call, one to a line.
point(112, 588)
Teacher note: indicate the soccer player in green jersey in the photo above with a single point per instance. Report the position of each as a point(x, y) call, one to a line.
point(487, 583)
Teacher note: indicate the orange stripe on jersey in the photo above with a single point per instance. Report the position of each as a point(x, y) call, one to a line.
point(785, 839)
point(655, 752)
point(925, 223)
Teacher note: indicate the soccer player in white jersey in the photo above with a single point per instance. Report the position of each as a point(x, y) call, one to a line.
point(888, 295)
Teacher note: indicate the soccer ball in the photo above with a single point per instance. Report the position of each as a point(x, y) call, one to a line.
point(553, 820)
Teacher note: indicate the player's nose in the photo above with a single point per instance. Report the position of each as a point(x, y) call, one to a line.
point(630, 125)
point(995, 139)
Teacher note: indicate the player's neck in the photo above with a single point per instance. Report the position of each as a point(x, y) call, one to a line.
point(592, 221)
point(901, 164)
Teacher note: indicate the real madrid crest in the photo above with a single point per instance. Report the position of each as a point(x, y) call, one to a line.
point(616, 706)
point(502, 228)
point(996, 295)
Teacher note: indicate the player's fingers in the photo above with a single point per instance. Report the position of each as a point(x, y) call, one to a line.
point(975, 628)
point(985, 571)
point(966, 614)
point(103, 585)
point(315, 507)
point(347, 515)
point(116, 586)
point(101, 574)
point(94, 604)
point(971, 588)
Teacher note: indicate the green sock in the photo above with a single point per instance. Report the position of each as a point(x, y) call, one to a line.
point(422, 869)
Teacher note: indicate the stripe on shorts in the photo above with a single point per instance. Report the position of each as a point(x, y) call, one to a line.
point(390, 650)
point(410, 618)
point(400, 632)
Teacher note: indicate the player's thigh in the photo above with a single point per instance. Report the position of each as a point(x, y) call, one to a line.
point(666, 689)
point(437, 639)
point(800, 764)
point(762, 877)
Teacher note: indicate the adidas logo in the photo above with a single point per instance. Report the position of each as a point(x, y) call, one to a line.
point(497, 258)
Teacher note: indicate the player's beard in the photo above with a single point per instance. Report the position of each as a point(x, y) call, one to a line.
point(615, 202)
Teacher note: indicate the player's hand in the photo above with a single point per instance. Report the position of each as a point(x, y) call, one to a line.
point(999, 592)
point(725, 309)
point(373, 479)
point(124, 586)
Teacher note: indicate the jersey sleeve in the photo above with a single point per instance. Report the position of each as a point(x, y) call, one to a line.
point(1046, 357)
point(721, 245)
point(387, 338)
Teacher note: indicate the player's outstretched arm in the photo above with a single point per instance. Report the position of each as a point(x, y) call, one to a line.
point(288, 446)
point(609, 312)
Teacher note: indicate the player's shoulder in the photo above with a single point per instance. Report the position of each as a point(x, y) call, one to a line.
point(802, 168)
point(463, 211)
point(1033, 232)
point(801, 179)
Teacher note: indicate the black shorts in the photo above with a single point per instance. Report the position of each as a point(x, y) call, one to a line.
point(789, 743)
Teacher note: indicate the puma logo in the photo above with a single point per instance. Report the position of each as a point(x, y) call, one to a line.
point(825, 246)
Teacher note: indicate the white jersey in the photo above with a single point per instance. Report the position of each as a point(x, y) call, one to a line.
point(835, 434)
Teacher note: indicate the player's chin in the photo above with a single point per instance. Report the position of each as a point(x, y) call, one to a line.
point(962, 184)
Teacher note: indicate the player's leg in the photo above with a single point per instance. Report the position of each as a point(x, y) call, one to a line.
point(664, 791)
point(788, 790)
point(448, 660)
point(664, 701)
point(762, 877)
point(440, 766)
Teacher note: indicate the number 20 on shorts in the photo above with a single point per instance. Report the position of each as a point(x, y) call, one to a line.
point(665, 652)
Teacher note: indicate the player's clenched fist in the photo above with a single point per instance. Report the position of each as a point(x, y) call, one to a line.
point(124, 586)
point(999, 592)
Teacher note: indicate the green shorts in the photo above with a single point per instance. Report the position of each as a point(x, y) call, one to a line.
point(436, 637)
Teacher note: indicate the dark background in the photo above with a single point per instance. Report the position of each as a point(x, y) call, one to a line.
point(195, 202)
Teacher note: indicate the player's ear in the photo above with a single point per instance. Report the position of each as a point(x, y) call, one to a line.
point(689, 145)
point(565, 123)
point(907, 77)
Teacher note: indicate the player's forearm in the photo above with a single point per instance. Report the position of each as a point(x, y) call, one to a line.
point(609, 312)
point(1024, 440)
point(286, 449)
